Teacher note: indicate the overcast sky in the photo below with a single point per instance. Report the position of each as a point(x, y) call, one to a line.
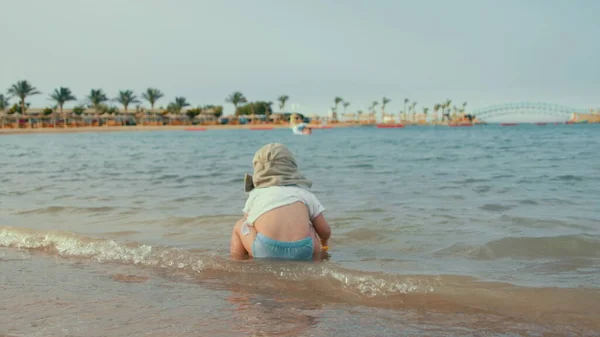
point(483, 52)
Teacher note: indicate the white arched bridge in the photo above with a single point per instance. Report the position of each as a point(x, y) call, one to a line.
point(524, 108)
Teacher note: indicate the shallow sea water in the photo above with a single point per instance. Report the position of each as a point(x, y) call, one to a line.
point(485, 230)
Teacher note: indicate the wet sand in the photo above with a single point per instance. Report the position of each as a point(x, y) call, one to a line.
point(47, 296)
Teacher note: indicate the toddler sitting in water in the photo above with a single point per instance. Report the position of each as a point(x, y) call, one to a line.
point(282, 218)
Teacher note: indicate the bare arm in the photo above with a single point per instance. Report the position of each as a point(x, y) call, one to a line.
point(322, 227)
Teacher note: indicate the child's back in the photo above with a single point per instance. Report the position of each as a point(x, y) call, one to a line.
point(283, 219)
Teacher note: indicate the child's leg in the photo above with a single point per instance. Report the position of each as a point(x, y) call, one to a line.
point(241, 245)
point(237, 248)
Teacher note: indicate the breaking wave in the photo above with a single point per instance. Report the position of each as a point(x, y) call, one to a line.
point(71, 245)
point(327, 280)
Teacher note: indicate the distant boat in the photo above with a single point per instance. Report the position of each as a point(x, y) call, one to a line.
point(509, 124)
point(299, 126)
point(301, 129)
point(540, 124)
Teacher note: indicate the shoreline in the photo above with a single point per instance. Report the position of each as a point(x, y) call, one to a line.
point(262, 127)
point(160, 128)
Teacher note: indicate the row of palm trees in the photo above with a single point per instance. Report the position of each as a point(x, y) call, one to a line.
point(446, 107)
point(98, 100)
point(237, 98)
point(96, 97)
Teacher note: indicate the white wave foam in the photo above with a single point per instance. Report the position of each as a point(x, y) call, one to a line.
point(371, 287)
point(68, 244)
point(71, 245)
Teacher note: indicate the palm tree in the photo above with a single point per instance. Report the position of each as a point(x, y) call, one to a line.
point(61, 96)
point(425, 110)
point(152, 95)
point(268, 109)
point(373, 105)
point(447, 108)
point(181, 102)
point(436, 108)
point(96, 98)
point(178, 104)
point(406, 100)
point(337, 100)
point(384, 102)
point(4, 103)
point(412, 108)
point(345, 105)
point(235, 99)
point(126, 97)
point(282, 100)
point(23, 89)
point(443, 109)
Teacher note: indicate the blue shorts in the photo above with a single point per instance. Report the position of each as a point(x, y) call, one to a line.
point(265, 247)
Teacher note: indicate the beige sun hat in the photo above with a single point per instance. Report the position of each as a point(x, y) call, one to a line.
point(274, 165)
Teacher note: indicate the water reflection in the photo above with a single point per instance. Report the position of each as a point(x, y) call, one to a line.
point(260, 315)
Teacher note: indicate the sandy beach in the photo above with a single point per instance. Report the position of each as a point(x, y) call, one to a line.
point(162, 128)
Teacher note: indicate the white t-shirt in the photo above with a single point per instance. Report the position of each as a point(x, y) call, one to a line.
point(262, 200)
